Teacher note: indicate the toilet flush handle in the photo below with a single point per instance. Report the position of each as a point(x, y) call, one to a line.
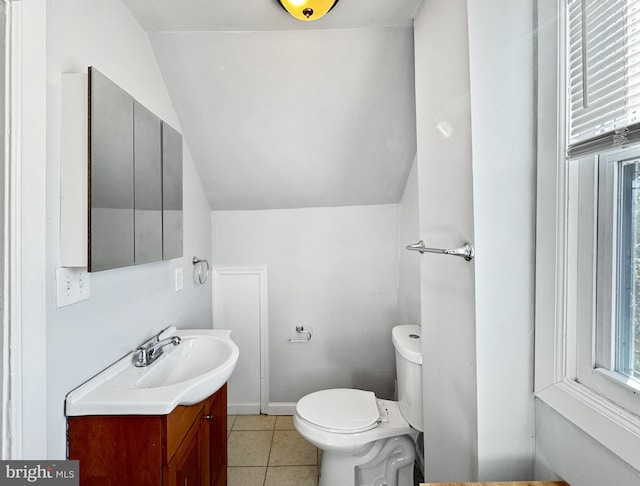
point(301, 330)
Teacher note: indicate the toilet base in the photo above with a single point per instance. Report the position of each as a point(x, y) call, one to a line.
point(389, 462)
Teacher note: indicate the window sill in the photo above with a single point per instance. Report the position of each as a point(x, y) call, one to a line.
point(629, 383)
point(612, 426)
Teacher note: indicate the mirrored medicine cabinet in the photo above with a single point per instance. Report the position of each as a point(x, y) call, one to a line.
point(135, 181)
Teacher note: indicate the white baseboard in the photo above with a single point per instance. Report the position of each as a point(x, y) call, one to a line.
point(275, 408)
point(243, 408)
point(282, 408)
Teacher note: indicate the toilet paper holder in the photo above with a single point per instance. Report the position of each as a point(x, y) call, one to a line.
point(301, 330)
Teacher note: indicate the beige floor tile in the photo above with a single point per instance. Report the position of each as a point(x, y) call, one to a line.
point(230, 421)
point(254, 422)
point(290, 449)
point(284, 422)
point(249, 448)
point(246, 476)
point(292, 476)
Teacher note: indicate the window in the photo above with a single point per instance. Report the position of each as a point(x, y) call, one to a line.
point(619, 264)
point(588, 218)
point(603, 225)
point(628, 267)
point(603, 220)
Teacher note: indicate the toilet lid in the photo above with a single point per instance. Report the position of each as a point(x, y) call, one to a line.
point(340, 410)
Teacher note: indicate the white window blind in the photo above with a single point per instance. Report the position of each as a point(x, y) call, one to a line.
point(603, 74)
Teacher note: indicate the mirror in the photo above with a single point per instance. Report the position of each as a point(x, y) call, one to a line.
point(148, 185)
point(111, 213)
point(135, 188)
point(171, 193)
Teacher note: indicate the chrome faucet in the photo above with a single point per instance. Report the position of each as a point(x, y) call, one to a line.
point(148, 354)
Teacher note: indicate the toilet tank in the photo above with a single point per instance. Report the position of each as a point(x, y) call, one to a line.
point(407, 342)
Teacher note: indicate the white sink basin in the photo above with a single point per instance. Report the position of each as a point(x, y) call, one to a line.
point(183, 375)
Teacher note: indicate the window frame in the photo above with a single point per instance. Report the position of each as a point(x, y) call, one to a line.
point(624, 358)
point(591, 248)
point(555, 352)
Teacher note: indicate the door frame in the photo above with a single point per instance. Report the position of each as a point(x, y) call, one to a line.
point(24, 408)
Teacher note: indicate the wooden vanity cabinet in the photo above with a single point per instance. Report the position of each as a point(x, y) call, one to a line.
point(217, 440)
point(187, 447)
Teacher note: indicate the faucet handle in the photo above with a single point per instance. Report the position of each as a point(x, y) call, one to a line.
point(142, 356)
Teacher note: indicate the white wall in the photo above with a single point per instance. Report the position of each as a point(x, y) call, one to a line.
point(409, 261)
point(445, 189)
point(476, 185)
point(131, 304)
point(563, 451)
point(328, 127)
point(500, 52)
point(333, 270)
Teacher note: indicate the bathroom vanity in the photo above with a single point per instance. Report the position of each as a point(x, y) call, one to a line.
point(157, 419)
point(188, 446)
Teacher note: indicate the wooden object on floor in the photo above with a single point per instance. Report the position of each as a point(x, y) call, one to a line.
point(512, 483)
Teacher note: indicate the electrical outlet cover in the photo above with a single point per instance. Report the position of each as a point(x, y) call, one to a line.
point(72, 285)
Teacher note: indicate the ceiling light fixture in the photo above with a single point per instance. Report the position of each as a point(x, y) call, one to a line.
point(307, 9)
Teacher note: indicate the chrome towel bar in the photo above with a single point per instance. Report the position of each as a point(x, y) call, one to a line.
point(466, 251)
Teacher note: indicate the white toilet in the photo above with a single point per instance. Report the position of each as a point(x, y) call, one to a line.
point(368, 441)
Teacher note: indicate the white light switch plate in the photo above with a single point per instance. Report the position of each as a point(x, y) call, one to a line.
point(73, 285)
point(179, 279)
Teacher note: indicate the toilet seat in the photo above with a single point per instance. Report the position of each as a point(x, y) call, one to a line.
point(340, 410)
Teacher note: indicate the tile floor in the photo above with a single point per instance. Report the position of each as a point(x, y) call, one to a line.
point(266, 450)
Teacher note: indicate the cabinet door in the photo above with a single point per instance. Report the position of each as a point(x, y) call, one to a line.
point(188, 466)
point(111, 216)
point(117, 450)
point(172, 235)
point(216, 408)
point(147, 178)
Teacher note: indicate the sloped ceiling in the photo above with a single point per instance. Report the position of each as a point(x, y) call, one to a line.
point(279, 113)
